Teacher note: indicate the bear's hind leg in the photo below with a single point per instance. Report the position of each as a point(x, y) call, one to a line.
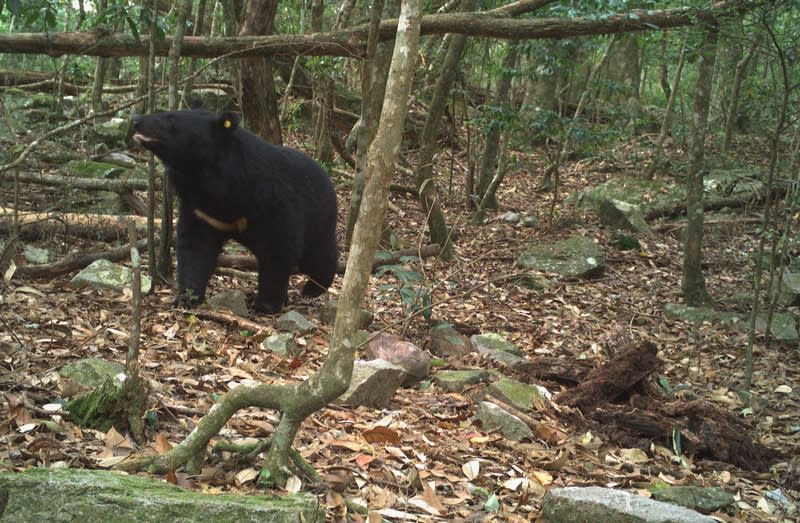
point(320, 268)
point(273, 286)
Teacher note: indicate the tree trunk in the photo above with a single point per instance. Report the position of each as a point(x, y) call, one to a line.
point(625, 70)
point(667, 123)
point(492, 144)
point(426, 189)
point(693, 283)
point(736, 87)
point(374, 71)
point(257, 98)
point(198, 27)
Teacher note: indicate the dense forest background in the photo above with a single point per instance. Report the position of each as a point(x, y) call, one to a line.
point(667, 133)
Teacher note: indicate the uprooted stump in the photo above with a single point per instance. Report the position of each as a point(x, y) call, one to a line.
point(625, 373)
point(618, 401)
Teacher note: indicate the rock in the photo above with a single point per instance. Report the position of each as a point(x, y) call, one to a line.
point(89, 169)
point(517, 394)
point(622, 215)
point(510, 217)
point(112, 132)
point(328, 315)
point(37, 495)
point(576, 257)
point(415, 361)
point(459, 380)
point(103, 274)
point(293, 321)
point(499, 350)
point(233, 300)
point(446, 341)
point(490, 342)
point(373, 383)
point(705, 500)
point(282, 344)
point(570, 504)
point(37, 256)
point(789, 289)
point(783, 326)
point(39, 101)
point(121, 159)
point(493, 417)
point(91, 372)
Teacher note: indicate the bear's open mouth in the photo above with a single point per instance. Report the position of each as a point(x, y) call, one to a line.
point(142, 138)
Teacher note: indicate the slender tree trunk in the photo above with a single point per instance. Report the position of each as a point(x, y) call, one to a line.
point(374, 71)
point(693, 283)
point(667, 123)
point(173, 61)
point(426, 189)
point(492, 145)
point(381, 158)
point(736, 88)
point(150, 66)
point(196, 30)
point(552, 170)
point(767, 222)
point(257, 97)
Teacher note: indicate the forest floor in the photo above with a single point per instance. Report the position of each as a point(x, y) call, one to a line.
point(441, 459)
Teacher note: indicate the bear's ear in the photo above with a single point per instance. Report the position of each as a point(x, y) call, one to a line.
point(229, 121)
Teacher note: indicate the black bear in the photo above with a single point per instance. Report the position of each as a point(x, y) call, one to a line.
point(230, 183)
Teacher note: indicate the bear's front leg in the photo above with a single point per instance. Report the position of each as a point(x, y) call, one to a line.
point(198, 247)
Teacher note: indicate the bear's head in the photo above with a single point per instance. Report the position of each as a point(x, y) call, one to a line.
point(185, 140)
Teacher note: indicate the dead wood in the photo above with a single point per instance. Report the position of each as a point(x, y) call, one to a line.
point(249, 263)
point(91, 184)
point(103, 227)
point(705, 430)
point(616, 379)
point(547, 368)
point(75, 262)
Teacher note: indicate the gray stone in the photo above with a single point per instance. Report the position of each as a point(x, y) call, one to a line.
point(415, 361)
point(121, 159)
point(622, 215)
point(576, 257)
point(373, 383)
point(570, 504)
point(233, 300)
point(293, 321)
point(37, 495)
point(517, 394)
point(91, 372)
point(491, 341)
point(783, 326)
point(37, 256)
point(103, 274)
point(282, 344)
point(90, 169)
point(112, 131)
point(459, 380)
point(328, 314)
point(789, 289)
point(446, 341)
point(493, 417)
point(702, 499)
